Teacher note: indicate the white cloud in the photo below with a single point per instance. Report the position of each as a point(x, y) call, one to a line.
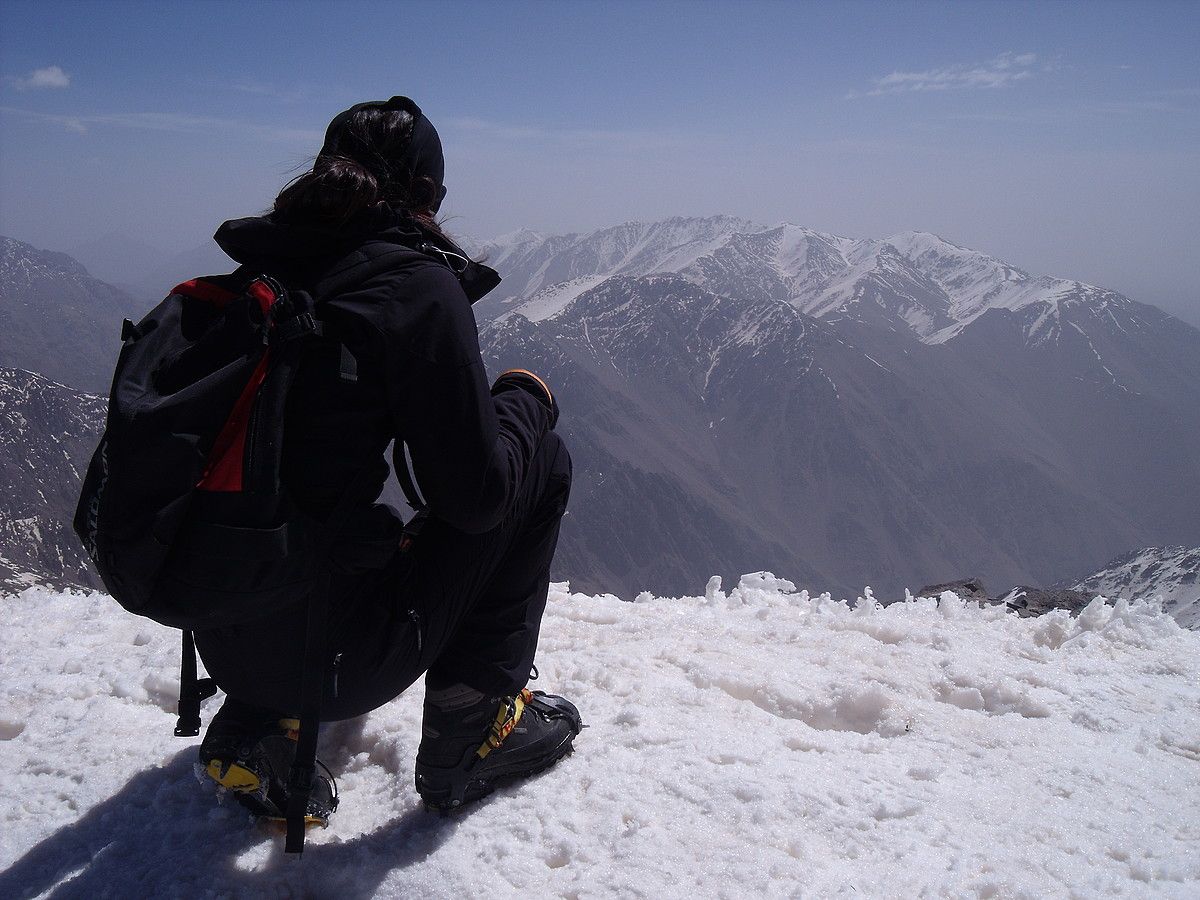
point(186, 123)
point(49, 77)
point(263, 89)
point(1002, 71)
point(70, 123)
point(173, 122)
point(595, 138)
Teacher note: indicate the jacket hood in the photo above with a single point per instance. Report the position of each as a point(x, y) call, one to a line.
point(305, 249)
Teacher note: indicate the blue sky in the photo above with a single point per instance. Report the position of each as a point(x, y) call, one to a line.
point(1062, 137)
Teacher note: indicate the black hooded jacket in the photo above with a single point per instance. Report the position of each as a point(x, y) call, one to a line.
point(405, 317)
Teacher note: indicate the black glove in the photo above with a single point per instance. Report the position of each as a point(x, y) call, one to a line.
point(523, 379)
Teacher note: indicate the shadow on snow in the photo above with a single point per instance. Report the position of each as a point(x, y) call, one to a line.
point(162, 834)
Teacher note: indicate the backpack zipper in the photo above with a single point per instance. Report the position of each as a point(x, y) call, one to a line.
point(252, 442)
point(337, 661)
point(416, 620)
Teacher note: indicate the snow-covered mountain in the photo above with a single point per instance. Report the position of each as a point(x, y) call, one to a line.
point(47, 434)
point(530, 261)
point(913, 281)
point(1168, 574)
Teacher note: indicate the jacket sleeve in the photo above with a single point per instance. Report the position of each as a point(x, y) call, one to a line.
point(470, 450)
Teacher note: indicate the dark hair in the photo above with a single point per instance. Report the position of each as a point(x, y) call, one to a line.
point(365, 171)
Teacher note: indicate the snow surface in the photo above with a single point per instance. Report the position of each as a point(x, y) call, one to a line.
point(550, 301)
point(759, 743)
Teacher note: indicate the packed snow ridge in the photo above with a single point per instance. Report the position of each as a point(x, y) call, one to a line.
point(752, 742)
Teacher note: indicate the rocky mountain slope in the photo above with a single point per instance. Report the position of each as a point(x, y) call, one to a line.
point(47, 434)
point(1170, 574)
point(736, 428)
point(56, 319)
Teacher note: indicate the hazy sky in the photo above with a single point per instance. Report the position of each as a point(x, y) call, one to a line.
point(1061, 137)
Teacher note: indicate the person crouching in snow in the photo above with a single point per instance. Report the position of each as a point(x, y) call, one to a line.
point(460, 599)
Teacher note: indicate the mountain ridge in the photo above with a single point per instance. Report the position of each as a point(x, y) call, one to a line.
point(922, 281)
point(57, 319)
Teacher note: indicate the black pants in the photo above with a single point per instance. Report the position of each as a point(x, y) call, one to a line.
point(464, 607)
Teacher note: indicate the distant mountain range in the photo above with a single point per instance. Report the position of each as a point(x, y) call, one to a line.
point(914, 281)
point(896, 412)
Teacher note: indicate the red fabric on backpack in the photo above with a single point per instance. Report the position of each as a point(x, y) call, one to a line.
point(226, 459)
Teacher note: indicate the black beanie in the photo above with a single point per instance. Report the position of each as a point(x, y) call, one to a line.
point(423, 157)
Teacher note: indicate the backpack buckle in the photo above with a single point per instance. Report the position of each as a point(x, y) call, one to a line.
point(295, 327)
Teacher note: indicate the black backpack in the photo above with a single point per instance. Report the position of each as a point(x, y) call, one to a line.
point(187, 471)
point(182, 509)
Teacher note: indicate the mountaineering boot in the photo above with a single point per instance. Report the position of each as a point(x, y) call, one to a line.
point(249, 751)
point(467, 750)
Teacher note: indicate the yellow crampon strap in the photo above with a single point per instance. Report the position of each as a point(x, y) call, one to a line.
point(507, 717)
